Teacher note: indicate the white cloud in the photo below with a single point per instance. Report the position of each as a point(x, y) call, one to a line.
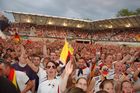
point(93, 9)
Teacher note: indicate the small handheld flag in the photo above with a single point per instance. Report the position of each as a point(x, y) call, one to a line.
point(66, 53)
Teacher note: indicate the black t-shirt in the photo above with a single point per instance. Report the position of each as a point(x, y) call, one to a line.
point(30, 73)
point(7, 86)
point(139, 75)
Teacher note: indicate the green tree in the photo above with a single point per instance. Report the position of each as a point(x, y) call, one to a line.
point(137, 11)
point(126, 12)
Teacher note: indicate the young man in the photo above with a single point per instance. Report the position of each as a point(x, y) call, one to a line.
point(6, 86)
point(23, 66)
point(18, 78)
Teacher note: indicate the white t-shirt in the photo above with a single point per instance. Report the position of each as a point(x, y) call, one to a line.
point(22, 79)
point(111, 74)
point(47, 86)
point(85, 74)
point(98, 81)
point(50, 86)
point(42, 75)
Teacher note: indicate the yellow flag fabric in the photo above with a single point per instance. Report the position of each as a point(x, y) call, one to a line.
point(64, 53)
point(70, 49)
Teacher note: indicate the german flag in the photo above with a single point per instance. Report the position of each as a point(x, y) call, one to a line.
point(66, 53)
point(12, 77)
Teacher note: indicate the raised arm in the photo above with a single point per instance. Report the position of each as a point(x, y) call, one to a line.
point(133, 58)
point(137, 72)
point(28, 86)
point(32, 66)
point(125, 59)
point(91, 86)
point(68, 70)
point(44, 49)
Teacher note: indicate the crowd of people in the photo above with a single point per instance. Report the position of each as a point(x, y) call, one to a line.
point(47, 31)
point(34, 67)
point(126, 35)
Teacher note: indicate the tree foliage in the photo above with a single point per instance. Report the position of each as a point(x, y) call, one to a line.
point(126, 12)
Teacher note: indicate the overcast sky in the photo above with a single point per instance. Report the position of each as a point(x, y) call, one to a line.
point(92, 9)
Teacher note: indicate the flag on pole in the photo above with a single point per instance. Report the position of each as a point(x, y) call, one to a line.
point(66, 53)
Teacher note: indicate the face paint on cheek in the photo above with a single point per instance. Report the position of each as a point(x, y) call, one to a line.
point(105, 73)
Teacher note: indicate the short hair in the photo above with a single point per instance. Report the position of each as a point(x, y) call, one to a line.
point(7, 64)
point(7, 56)
point(74, 90)
point(9, 49)
point(101, 91)
point(105, 82)
point(35, 55)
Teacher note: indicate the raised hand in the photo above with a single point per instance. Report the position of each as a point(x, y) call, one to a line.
point(69, 68)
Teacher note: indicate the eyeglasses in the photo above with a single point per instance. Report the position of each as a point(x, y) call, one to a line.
point(48, 67)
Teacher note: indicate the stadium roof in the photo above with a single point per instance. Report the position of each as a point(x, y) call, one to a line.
point(113, 23)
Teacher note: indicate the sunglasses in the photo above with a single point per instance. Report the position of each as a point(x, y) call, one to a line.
point(48, 67)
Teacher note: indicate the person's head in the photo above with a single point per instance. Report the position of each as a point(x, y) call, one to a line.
point(8, 51)
point(109, 60)
point(126, 87)
point(22, 58)
point(13, 55)
point(6, 69)
point(108, 86)
point(45, 61)
point(82, 83)
point(74, 90)
point(119, 67)
point(81, 62)
point(101, 91)
point(87, 55)
point(51, 68)
point(137, 64)
point(7, 58)
point(29, 51)
point(36, 60)
point(119, 56)
point(104, 70)
point(53, 56)
point(103, 56)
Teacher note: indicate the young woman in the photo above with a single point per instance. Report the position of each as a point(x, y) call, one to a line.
point(108, 86)
point(127, 87)
point(82, 83)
